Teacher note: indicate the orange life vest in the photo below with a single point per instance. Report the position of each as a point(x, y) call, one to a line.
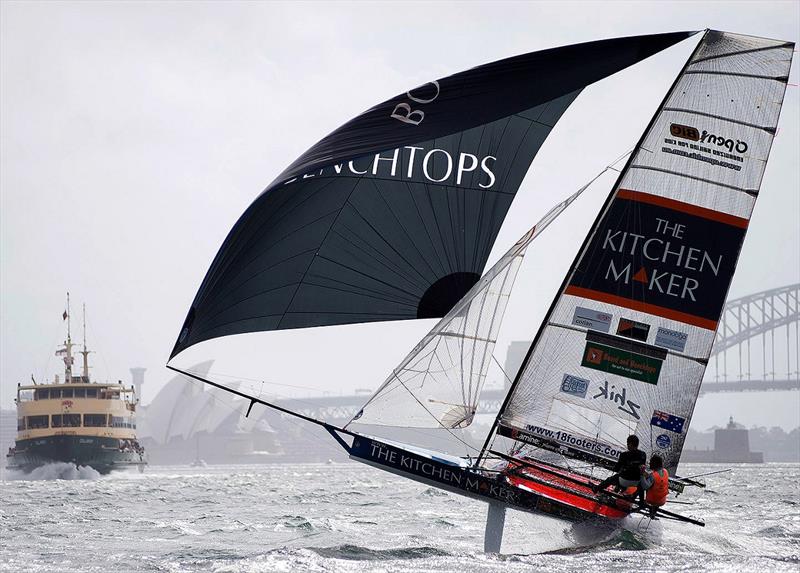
point(631, 490)
point(657, 494)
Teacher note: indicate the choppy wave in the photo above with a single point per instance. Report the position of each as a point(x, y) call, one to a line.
point(778, 531)
point(358, 553)
point(296, 522)
point(620, 539)
point(252, 519)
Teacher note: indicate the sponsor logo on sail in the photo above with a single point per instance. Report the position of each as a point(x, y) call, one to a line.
point(574, 386)
point(544, 437)
point(693, 134)
point(621, 362)
point(415, 163)
point(633, 329)
point(710, 148)
point(592, 319)
point(663, 441)
point(672, 259)
point(672, 339)
point(403, 111)
point(619, 397)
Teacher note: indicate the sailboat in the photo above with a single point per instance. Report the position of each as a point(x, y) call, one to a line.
point(392, 216)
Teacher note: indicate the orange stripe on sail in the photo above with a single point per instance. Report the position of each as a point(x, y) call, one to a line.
point(711, 214)
point(642, 307)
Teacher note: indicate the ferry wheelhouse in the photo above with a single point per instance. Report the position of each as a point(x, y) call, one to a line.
point(76, 421)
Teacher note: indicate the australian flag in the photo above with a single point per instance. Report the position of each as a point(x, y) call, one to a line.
point(667, 421)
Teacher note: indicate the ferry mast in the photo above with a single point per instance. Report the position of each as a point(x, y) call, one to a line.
point(66, 352)
point(85, 352)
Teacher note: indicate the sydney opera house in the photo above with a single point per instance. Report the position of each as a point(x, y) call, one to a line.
point(188, 422)
point(191, 423)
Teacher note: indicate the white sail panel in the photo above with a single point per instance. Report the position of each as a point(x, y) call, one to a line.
point(656, 269)
point(439, 383)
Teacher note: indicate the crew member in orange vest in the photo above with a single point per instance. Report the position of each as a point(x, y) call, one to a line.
point(656, 484)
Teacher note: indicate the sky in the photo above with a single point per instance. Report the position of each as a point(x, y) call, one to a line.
point(133, 135)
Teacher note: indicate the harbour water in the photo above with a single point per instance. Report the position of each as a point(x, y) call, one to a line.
point(349, 517)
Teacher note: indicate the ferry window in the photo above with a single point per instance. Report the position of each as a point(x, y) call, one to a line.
point(25, 395)
point(72, 420)
point(120, 422)
point(20, 424)
point(95, 420)
point(66, 392)
point(56, 420)
point(42, 394)
point(91, 392)
point(37, 422)
point(80, 392)
point(55, 393)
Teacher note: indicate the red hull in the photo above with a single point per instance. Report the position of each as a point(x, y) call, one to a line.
point(572, 489)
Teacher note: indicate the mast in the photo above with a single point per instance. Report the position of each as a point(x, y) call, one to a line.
point(66, 352)
point(579, 254)
point(85, 351)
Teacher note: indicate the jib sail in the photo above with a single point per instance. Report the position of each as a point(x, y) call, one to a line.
point(393, 215)
point(625, 345)
point(438, 385)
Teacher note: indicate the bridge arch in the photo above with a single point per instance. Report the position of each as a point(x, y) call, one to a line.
point(757, 346)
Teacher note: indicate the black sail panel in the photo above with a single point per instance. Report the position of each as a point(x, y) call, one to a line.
point(393, 215)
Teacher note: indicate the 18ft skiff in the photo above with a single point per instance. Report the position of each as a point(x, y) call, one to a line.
point(392, 217)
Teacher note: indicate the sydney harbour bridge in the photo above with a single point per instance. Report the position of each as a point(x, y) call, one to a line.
point(757, 349)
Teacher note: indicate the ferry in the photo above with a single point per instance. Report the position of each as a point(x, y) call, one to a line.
point(76, 420)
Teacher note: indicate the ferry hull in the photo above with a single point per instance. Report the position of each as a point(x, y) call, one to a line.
point(465, 481)
point(102, 454)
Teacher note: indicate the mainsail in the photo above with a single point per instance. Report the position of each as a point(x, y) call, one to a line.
point(393, 215)
point(625, 344)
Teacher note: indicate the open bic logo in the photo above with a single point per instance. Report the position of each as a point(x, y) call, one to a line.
point(684, 132)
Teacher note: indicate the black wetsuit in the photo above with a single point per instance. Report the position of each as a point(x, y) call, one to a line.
point(628, 467)
point(629, 464)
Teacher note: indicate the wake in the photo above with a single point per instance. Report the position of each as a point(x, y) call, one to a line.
point(55, 471)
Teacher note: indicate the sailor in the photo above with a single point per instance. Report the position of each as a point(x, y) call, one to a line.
point(628, 469)
point(656, 484)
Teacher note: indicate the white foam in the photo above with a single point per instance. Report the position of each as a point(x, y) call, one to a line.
point(55, 470)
